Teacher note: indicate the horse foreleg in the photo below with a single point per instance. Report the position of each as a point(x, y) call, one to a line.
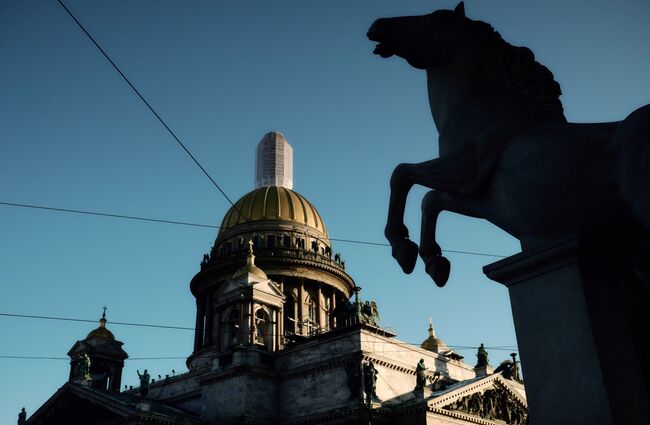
point(404, 250)
point(433, 203)
point(404, 177)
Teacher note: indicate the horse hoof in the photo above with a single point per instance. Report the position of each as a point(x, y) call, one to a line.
point(438, 268)
point(406, 254)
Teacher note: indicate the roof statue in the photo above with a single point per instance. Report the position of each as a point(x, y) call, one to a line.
point(22, 416)
point(145, 379)
point(84, 367)
point(507, 153)
point(420, 376)
point(482, 356)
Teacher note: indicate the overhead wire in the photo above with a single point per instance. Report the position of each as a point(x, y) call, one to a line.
point(104, 214)
point(153, 111)
point(148, 325)
point(193, 224)
point(139, 218)
point(196, 161)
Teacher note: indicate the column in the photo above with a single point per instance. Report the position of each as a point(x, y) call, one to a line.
point(319, 308)
point(207, 332)
point(301, 306)
point(333, 308)
point(279, 327)
point(251, 321)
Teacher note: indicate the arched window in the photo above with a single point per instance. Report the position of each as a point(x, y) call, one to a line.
point(230, 329)
point(312, 315)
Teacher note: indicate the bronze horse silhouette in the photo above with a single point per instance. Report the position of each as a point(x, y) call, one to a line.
point(506, 152)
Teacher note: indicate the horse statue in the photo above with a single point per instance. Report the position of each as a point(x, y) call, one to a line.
point(506, 151)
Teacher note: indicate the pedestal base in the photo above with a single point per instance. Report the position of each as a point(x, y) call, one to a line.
point(579, 317)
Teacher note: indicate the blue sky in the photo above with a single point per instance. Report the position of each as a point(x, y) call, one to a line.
point(73, 135)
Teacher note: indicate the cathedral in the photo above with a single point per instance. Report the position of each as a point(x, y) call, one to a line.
point(283, 337)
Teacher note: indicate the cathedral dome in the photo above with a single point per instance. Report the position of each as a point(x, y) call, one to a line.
point(273, 204)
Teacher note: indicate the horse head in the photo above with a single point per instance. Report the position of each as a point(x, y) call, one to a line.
point(425, 42)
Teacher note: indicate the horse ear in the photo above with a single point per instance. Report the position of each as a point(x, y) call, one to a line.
point(460, 9)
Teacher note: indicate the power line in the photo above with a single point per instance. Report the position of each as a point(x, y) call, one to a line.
point(187, 223)
point(193, 158)
point(153, 111)
point(103, 214)
point(68, 319)
point(320, 353)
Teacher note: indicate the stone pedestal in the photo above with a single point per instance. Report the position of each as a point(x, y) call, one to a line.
point(483, 370)
point(581, 318)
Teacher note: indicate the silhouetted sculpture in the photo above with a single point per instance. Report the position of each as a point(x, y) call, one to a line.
point(481, 356)
point(84, 367)
point(144, 382)
point(507, 153)
point(22, 417)
point(420, 376)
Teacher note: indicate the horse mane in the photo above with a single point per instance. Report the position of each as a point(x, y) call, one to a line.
point(518, 70)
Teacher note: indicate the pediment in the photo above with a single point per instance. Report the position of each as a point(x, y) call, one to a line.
point(76, 404)
point(231, 286)
point(267, 289)
point(489, 399)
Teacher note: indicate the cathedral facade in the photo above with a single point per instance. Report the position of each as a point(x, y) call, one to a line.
point(282, 337)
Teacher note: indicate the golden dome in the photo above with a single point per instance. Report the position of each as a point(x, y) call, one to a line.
point(273, 203)
point(101, 331)
point(433, 343)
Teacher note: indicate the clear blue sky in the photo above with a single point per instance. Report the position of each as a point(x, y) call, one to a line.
point(73, 135)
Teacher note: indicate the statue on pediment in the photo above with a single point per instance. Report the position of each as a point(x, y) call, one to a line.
point(481, 356)
point(420, 376)
point(22, 417)
point(145, 379)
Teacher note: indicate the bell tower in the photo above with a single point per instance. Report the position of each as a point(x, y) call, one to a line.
point(98, 359)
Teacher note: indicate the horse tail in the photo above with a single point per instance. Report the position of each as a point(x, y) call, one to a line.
point(633, 141)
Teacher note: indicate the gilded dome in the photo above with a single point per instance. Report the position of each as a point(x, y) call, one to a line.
point(433, 343)
point(273, 203)
point(101, 331)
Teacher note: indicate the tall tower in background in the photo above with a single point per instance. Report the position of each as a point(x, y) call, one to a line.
point(274, 164)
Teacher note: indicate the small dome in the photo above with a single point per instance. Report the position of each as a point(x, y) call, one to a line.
point(101, 331)
point(433, 343)
point(250, 268)
point(273, 203)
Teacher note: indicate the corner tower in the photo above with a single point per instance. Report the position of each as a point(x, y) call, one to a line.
point(291, 246)
point(97, 360)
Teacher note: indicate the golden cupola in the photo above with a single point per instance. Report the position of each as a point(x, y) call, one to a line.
point(291, 245)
